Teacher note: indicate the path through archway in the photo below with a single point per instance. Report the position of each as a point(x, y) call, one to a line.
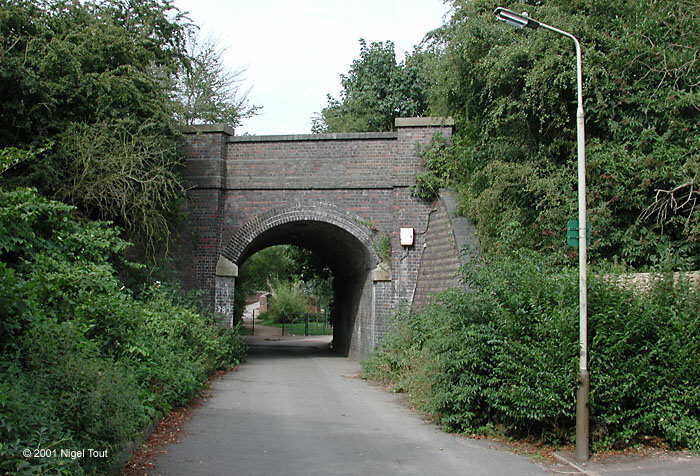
point(342, 242)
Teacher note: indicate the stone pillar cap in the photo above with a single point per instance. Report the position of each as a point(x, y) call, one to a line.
point(226, 268)
point(382, 272)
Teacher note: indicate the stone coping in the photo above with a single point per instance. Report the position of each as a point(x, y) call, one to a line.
point(316, 137)
point(643, 281)
point(424, 122)
point(398, 122)
point(208, 129)
point(463, 230)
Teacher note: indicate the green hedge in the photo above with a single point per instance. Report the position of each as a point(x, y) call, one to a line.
point(503, 358)
point(85, 362)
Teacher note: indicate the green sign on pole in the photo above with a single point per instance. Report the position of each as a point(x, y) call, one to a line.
point(572, 233)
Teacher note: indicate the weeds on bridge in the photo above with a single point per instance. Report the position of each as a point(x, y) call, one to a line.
point(382, 246)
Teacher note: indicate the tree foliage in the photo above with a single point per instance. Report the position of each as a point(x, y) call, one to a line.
point(108, 83)
point(85, 362)
point(130, 173)
point(208, 92)
point(288, 301)
point(88, 115)
point(375, 91)
point(513, 93)
point(282, 266)
point(66, 62)
point(503, 357)
point(96, 78)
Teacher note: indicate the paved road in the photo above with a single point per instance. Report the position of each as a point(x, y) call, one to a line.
point(294, 410)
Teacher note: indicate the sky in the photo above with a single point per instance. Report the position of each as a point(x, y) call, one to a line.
point(294, 52)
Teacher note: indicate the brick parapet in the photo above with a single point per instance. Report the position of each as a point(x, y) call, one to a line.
point(306, 164)
point(415, 134)
point(364, 136)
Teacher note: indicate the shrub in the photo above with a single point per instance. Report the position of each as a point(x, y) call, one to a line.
point(288, 301)
point(382, 246)
point(427, 186)
point(96, 398)
point(84, 361)
point(513, 96)
point(443, 169)
point(505, 356)
point(29, 420)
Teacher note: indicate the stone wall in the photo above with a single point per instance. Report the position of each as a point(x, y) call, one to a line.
point(643, 281)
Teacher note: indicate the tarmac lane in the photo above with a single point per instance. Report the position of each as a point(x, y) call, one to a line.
point(296, 409)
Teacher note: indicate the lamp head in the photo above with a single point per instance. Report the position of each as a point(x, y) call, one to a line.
point(518, 20)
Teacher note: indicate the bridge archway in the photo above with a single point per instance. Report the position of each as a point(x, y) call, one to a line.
point(320, 191)
point(340, 239)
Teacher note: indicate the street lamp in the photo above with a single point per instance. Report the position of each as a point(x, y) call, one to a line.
point(522, 20)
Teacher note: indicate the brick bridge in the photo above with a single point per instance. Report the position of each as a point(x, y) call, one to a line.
point(342, 196)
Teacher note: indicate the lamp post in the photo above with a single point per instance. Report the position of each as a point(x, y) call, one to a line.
point(582, 418)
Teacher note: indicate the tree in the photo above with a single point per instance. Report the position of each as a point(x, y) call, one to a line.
point(375, 91)
point(96, 78)
point(284, 264)
point(66, 62)
point(207, 91)
point(99, 81)
point(513, 95)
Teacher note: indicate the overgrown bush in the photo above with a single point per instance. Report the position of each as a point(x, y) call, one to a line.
point(288, 301)
point(108, 82)
point(504, 356)
point(443, 169)
point(85, 362)
point(284, 263)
